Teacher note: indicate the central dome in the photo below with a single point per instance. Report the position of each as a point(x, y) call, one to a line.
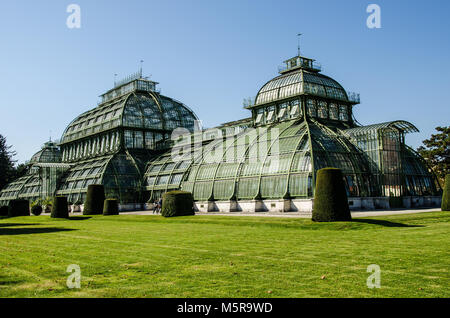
point(300, 81)
point(50, 153)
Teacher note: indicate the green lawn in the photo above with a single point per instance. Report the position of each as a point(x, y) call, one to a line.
point(225, 256)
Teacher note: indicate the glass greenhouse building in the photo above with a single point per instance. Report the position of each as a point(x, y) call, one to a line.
point(139, 144)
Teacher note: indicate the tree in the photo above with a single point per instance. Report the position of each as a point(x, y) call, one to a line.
point(21, 170)
point(436, 152)
point(7, 169)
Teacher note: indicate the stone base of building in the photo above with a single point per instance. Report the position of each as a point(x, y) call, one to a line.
point(306, 205)
point(286, 205)
point(76, 208)
point(131, 207)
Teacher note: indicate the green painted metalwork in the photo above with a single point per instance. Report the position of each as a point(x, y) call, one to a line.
point(301, 121)
point(45, 169)
point(398, 170)
point(268, 166)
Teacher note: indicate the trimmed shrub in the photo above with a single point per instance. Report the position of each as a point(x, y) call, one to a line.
point(395, 202)
point(94, 199)
point(36, 210)
point(177, 203)
point(445, 204)
point(330, 199)
point(3, 210)
point(18, 208)
point(60, 209)
point(111, 207)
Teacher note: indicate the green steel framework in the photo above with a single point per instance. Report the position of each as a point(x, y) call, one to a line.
point(318, 111)
point(300, 121)
point(109, 144)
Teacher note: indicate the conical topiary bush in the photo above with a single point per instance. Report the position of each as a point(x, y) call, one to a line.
point(330, 199)
point(111, 207)
point(177, 203)
point(445, 205)
point(3, 210)
point(18, 208)
point(94, 199)
point(60, 209)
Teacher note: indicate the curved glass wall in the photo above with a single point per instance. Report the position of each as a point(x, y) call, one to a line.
point(13, 190)
point(79, 177)
point(332, 149)
point(138, 110)
point(418, 180)
point(122, 180)
point(270, 162)
point(118, 173)
point(39, 183)
point(96, 120)
point(397, 168)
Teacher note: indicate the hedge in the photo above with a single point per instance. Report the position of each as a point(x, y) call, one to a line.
point(395, 202)
point(18, 208)
point(111, 207)
point(177, 203)
point(60, 208)
point(36, 210)
point(445, 204)
point(330, 199)
point(3, 210)
point(94, 199)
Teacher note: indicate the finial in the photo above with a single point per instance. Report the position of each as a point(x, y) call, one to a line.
point(140, 70)
point(115, 77)
point(298, 43)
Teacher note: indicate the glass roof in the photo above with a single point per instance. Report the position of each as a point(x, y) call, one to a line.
point(146, 110)
point(118, 173)
point(49, 153)
point(300, 82)
point(402, 125)
point(267, 162)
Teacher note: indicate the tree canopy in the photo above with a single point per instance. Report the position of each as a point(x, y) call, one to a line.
point(436, 152)
point(7, 169)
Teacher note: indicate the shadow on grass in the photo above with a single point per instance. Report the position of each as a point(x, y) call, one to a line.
point(79, 218)
point(384, 223)
point(16, 224)
point(35, 230)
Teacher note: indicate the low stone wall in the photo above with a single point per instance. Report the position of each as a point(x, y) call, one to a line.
point(368, 203)
point(306, 205)
point(302, 205)
point(285, 205)
point(132, 207)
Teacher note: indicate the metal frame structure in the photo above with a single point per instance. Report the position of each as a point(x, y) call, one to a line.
point(313, 116)
point(301, 121)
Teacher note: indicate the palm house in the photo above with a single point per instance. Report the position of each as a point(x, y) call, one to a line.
point(139, 144)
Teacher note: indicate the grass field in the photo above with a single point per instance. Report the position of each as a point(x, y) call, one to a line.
point(225, 256)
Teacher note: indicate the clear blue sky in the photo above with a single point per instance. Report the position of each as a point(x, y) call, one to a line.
point(212, 54)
